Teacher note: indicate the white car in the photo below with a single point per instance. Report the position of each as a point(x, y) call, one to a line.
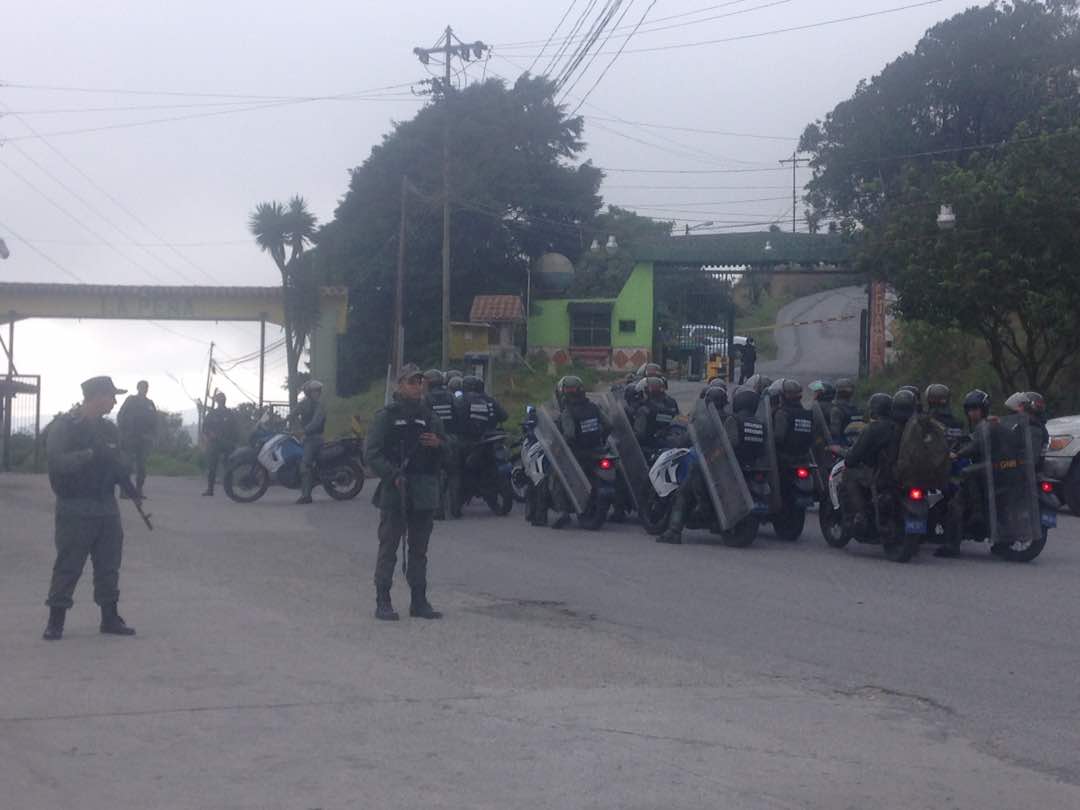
point(1060, 460)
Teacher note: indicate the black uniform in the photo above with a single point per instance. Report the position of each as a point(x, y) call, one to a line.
point(477, 414)
point(749, 360)
point(864, 460)
point(844, 412)
point(747, 435)
point(137, 420)
point(310, 415)
point(954, 428)
point(219, 428)
point(653, 420)
point(793, 431)
point(441, 402)
point(85, 465)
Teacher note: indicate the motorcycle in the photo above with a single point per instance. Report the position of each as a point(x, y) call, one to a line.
point(485, 474)
point(671, 470)
point(274, 458)
point(601, 472)
point(900, 518)
point(797, 494)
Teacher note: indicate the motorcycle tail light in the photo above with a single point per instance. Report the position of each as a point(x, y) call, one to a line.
point(1046, 487)
point(606, 464)
point(802, 473)
point(916, 494)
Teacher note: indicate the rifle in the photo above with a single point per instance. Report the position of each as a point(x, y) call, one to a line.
point(403, 502)
point(122, 477)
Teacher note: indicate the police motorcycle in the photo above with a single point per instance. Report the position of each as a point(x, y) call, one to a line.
point(1017, 506)
point(485, 474)
point(724, 496)
point(915, 467)
point(590, 489)
point(632, 464)
point(793, 480)
point(521, 479)
point(273, 456)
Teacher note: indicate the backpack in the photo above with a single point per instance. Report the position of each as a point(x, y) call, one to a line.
point(923, 458)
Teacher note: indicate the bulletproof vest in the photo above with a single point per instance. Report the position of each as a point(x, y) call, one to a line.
point(800, 434)
point(589, 432)
point(751, 438)
point(478, 414)
point(96, 478)
point(403, 438)
point(954, 431)
point(441, 402)
point(662, 414)
point(849, 412)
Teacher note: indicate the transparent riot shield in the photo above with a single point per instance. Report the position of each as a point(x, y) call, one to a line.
point(562, 460)
point(1019, 513)
point(632, 463)
point(820, 451)
point(989, 479)
point(723, 476)
point(765, 414)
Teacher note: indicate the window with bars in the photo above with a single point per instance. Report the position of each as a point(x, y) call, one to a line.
point(590, 329)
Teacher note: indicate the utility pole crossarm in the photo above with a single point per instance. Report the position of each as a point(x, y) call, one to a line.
point(795, 162)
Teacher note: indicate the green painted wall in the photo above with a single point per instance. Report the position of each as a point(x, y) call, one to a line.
point(551, 325)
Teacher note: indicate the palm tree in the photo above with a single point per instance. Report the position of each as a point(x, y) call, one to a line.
point(284, 232)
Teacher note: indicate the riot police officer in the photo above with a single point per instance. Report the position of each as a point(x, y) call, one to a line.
point(585, 429)
point(477, 412)
point(793, 424)
point(310, 421)
point(655, 415)
point(441, 403)
point(845, 412)
point(938, 398)
point(716, 397)
point(85, 466)
point(824, 394)
point(863, 460)
point(219, 433)
point(406, 447)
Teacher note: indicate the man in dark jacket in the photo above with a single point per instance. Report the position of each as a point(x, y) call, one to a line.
point(749, 360)
point(585, 429)
point(862, 461)
point(219, 434)
point(406, 447)
point(138, 421)
point(85, 466)
point(309, 419)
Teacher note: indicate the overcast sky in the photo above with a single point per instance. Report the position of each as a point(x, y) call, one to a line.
point(194, 181)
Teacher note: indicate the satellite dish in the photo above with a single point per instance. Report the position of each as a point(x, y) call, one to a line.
point(553, 271)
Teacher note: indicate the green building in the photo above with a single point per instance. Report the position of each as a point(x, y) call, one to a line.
point(620, 333)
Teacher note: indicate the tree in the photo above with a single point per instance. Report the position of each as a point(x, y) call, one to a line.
point(1008, 271)
point(285, 232)
point(514, 193)
point(971, 80)
point(601, 273)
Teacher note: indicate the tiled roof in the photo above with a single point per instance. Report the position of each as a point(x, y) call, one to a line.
point(496, 309)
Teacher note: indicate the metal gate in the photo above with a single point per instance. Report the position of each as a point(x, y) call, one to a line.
point(20, 422)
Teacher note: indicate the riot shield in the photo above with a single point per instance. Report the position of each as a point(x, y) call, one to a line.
point(573, 479)
point(723, 476)
point(765, 414)
point(986, 450)
point(1019, 516)
point(823, 456)
point(632, 463)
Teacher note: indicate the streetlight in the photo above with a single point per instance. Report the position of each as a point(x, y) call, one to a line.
point(612, 247)
point(946, 219)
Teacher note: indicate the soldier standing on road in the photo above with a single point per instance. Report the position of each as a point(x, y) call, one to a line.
point(219, 432)
point(406, 447)
point(138, 421)
point(85, 465)
point(310, 416)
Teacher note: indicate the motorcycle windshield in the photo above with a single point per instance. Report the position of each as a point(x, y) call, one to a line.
point(631, 461)
point(730, 496)
point(565, 466)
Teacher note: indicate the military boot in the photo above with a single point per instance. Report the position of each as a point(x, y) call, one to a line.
point(420, 607)
point(384, 608)
point(673, 533)
point(112, 623)
point(562, 520)
point(54, 630)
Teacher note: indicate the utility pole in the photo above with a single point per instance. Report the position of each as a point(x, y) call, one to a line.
point(795, 162)
point(449, 46)
point(206, 394)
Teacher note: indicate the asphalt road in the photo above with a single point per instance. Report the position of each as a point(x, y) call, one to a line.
point(573, 670)
point(825, 350)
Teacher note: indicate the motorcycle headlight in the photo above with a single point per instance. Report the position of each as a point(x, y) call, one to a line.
point(1060, 442)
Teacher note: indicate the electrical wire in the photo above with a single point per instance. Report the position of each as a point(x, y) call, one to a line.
point(562, 19)
point(698, 130)
point(187, 94)
point(592, 59)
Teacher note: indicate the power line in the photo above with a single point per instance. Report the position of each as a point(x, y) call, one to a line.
point(554, 61)
point(553, 33)
point(594, 33)
point(615, 58)
point(43, 254)
point(759, 34)
point(592, 59)
point(697, 130)
point(188, 94)
point(622, 170)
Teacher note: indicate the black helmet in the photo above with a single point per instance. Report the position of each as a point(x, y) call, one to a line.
point(823, 390)
point(915, 393)
point(791, 391)
point(977, 400)
point(904, 405)
point(717, 396)
point(571, 387)
point(472, 384)
point(937, 395)
point(434, 378)
point(745, 401)
point(845, 388)
point(453, 383)
point(1038, 402)
point(879, 406)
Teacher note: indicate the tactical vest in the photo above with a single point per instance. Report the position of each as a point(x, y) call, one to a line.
point(441, 403)
point(800, 437)
point(96, 478)
point(662, 414)
point(589, 432)
point(751, 439)
point(478, 414)
point(403, 439)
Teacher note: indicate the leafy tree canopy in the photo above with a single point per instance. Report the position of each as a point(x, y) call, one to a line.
point(515, 195)
point(601, 273)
